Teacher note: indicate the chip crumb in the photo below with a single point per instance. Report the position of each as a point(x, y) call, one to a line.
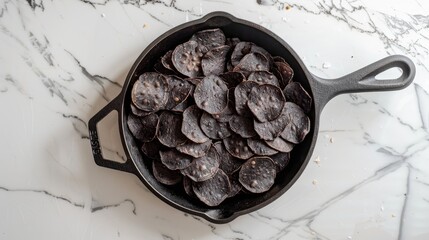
point(144, 25)
point(315, 182)
point(331, 140)
point(288, 7)
point(317, 160)
point(326, 65)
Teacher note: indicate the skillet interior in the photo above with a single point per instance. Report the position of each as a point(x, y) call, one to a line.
point(175, 196)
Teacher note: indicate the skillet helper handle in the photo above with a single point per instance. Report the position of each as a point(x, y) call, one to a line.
point(114, 105)
point(364, 80)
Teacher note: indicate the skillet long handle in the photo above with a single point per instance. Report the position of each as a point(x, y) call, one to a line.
point(364, 80)
point(114, 105)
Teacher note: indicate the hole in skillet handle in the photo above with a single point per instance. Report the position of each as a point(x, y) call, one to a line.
point(109, 138)
point(127, 166)
point(389, 74)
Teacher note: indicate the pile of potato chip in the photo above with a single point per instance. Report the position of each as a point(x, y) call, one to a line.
point(218, 115)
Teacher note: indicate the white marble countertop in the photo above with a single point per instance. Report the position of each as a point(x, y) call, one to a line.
point(62, 61)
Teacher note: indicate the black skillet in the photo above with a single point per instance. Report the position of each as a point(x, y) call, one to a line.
point(322, 90)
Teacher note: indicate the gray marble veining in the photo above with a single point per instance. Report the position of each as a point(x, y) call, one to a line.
point(62, 61)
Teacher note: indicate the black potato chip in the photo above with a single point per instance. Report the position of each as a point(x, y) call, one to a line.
point(179, 91)
point(228, 163)
point(240, 50)
point(210, 38)
point(169, 129)
point(213, 191)
point(281, 160)
point(266, 102)
point(195, 81)
point(262, 77)
point(272, 129)
point(213, 62)
point(298, 125)
point(212, 128)
point(211, 95)
point(203, 168)
point(243, 48)
point(231, 99)
point(150, 127)
point(279, 59)
point(174, 160)
point(279, 77)
point(167, 62)
point(286, 73)
point(135, 126)
point(226, 114)
point(237, 147)
point(259, 147)
point(257, 174)
point(164, 175)
point(253, 62)
point(243, 126)
point(235, 184)
point(187, 185)
point(187, 57)
point(139, 112)
point(295, 93)
point(229, 66)
point(232, 79)
point(195, 150)
point(232, 42)
point(159, 68)
point(151, 149)
point(150, 92)
point(280, 144)
point(181, 107)
point(143, 128)
point(191, 125)
point(257, 49)
point(241, 96)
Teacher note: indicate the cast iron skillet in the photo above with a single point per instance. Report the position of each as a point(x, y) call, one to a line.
point(322, 90)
